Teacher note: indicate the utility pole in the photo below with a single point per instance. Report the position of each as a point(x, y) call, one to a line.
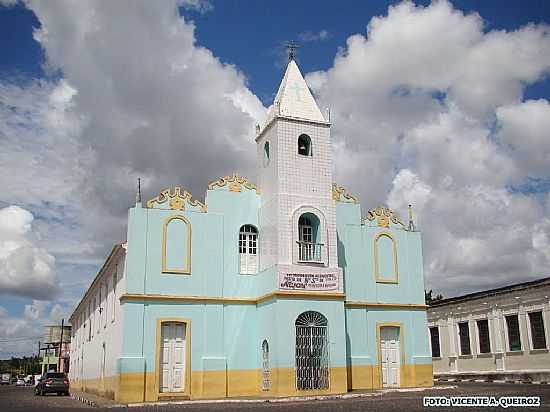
point(60, 346)
point(38, 359)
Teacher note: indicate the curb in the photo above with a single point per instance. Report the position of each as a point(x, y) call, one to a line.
point(290, 399)
point(84, 400)
point(512, 381)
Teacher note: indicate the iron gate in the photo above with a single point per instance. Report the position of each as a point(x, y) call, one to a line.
point(312, 360)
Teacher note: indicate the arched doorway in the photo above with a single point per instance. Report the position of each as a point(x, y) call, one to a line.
point(312, 359)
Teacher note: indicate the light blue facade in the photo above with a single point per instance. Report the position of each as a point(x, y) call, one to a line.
point(320, 281)
point(227, 335)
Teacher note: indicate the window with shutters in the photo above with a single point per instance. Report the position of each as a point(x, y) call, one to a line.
point(464, 338)
point(538, 334)
point(106, 303)
point(483, 336)
point(114, 295)
point(434, 339)
point(513, 333)
point(90, 321)
point(97, 307)
point(248, 249)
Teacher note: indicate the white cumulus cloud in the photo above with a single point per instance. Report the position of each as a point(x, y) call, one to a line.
point(25, 268)
point(428, 110)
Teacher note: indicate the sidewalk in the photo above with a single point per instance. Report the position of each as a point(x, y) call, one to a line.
point(97, 401)
point(94, 400)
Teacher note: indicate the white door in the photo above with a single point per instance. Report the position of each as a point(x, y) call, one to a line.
point(391, 356)
point(172, 357)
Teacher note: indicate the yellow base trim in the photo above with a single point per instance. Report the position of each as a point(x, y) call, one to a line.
point(368, 376)
point(141, 387)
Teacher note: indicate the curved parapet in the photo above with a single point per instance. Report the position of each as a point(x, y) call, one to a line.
point(340, 194)
point(383, 216)
point(176, 199)
point(233, 183)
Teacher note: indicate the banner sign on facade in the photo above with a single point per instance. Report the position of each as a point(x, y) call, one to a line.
point(308, 281)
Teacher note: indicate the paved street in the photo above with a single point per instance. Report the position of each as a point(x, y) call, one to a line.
point(22, 399)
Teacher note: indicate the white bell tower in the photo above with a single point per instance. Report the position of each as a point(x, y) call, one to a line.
point(297, 214)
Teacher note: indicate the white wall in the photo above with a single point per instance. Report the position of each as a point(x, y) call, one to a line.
point(86, 347)
point(493, 308)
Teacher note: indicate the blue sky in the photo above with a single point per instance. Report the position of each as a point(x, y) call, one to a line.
point(444, 105)
point(251, 34)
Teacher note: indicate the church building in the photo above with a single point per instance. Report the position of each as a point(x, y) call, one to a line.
point(276, 288)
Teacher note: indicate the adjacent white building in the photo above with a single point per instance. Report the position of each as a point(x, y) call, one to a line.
point(96, 337)
point(502, 331)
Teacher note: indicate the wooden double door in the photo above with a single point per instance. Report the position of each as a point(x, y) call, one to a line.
point(173, 348)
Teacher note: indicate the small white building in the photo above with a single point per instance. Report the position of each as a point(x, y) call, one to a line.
point(501, 333)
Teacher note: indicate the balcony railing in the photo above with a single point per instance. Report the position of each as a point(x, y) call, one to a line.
point(309, 252)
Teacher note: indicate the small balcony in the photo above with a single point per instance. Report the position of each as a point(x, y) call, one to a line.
point(309, 252)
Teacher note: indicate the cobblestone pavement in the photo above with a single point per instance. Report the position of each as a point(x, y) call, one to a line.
point(22, 399)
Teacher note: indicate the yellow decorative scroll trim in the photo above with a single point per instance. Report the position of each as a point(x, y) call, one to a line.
point(235, 181)
point(384, 216)
point(177, 199)
point(340, 194)
point(232, 300)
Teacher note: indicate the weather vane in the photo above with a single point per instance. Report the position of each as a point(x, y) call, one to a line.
point(291, 47)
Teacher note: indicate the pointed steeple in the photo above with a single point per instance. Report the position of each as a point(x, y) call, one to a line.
point(294, 99)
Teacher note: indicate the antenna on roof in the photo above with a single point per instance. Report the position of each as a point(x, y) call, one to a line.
point(138, 194)
point(291, 46)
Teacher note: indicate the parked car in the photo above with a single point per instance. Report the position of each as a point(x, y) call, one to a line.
point(53, 382)
point(20, 382)
point(5, 379)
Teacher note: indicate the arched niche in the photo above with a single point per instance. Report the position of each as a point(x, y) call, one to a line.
point(385, 259)
point(176, 245)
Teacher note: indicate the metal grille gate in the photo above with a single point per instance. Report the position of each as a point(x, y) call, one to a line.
point(312, 360)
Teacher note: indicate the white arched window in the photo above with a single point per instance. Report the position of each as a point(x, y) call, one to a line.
point(248, 249)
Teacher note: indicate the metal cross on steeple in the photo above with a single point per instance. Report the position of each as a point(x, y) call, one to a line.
point(291, 47)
